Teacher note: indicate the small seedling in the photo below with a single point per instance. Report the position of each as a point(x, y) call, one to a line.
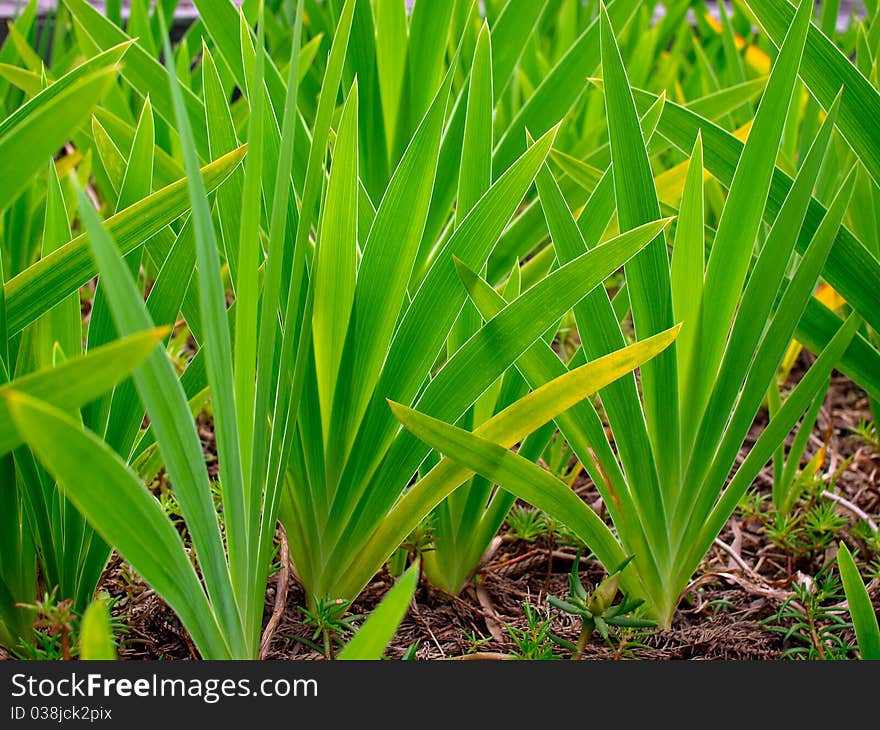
point(535, 641)
point(866, 431)
point(54, 626)
point(331, 625)
point(811, 621)
point(808, 530)
point(526, 523)
point(597, 610)
point(475, 640)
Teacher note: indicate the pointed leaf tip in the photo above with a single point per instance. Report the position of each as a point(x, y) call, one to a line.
point(465, 273)
point(396, 408)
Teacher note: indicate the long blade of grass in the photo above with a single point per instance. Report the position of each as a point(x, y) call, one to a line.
point(391, 52)
point(860, 607)
point(766, 361)
point(378, 630)
point(601, 335)
point(281, 218)
point(136, 184)
point(247, 285)
point(222, 138)
point(689, 260)
point(219, 363)
point(336, 259)
point(826, 70)
point(512, 472)
point(560, 88)
point(755, 308)
point(142, 71)
point(384, 272)
point(861, 361)
point(647, 274)
point(427, 322)
point(172, 423)
point(300, 292)
point(851, 268)
point(782, 424)
point(48, 121)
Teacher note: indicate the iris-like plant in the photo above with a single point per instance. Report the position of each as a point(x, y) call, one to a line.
point(669, 488)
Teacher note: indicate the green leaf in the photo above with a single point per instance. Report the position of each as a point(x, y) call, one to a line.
point(758, 299)
point(756, 372)
point(501, 341)
point(384, 273)
point(142, 71)
point(560, 88)
point(596, 315)
point(62, 325)
point(336, 259)
point(28, 81)
point(689, 260)
point(170, 420)
point(428, 28)
point(851, 268)
point(167, 169)
point(647, 274)
point(861, 361)
point(740, 221)
point(391, 27)
point(860, 607)
point(296, 334)
point(374, 636)
point(476, 155)
point(219, 364)
point(95, 634)
point(826, 70)
point(511, 32)
point(222, 139)
point(29, 138)
point(79, 380)
point(512, 472)
point(427, 322)
point(280, 219)
point(137, 183)
point(248, 257)
point(783, 422)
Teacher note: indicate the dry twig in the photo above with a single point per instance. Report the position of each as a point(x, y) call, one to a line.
point(280, 596)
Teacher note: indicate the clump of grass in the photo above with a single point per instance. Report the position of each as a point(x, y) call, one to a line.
point(426, 219)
